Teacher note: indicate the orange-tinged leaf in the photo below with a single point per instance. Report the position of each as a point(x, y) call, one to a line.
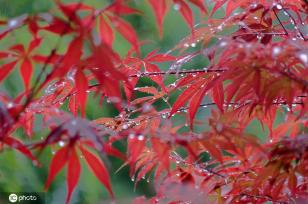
point(231, 6)
point(162, 150)
point(212, 82)
point(194, 105)
point(276, 190)
point(144, 170)
point(98, 168)
point(159, 58)
point(185, 96)
point(218, 96)
point(213, 150)
point(156, 78)
point(73, 174)
point(292, 182)
point(135, 147)
point(148, 90)
point(57, 163)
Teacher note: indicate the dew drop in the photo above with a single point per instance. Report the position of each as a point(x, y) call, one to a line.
point(303, 57)
point(146, 107)
point(107, 74)
point(12, 23)
point(173, 85)
point(177, 7)
point(61, 144)
point(254, 5)
point(71, 75)
point(140, 137)
point(219, 127)
point(223, 44)
point(193, 45)
point(278, 6)
point(50, 89)
point(131, 136)
point(276, 51)
point(10, 105)
point(241, 24)
point(125, 126)
point(74, 122)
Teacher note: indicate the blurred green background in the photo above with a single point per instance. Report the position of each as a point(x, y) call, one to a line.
point(17, 174)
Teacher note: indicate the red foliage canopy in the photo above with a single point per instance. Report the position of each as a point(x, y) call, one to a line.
point(258, 61)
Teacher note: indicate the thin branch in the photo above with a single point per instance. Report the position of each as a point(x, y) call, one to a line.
point(204, 105)
point(267, 198)
point(179, 160)
point(285, 30)
point(293, 21)
point(197, 71)
point(261, 33)
point(36, 86)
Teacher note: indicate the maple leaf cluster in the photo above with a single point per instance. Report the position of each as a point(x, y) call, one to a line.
point(257, 61)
